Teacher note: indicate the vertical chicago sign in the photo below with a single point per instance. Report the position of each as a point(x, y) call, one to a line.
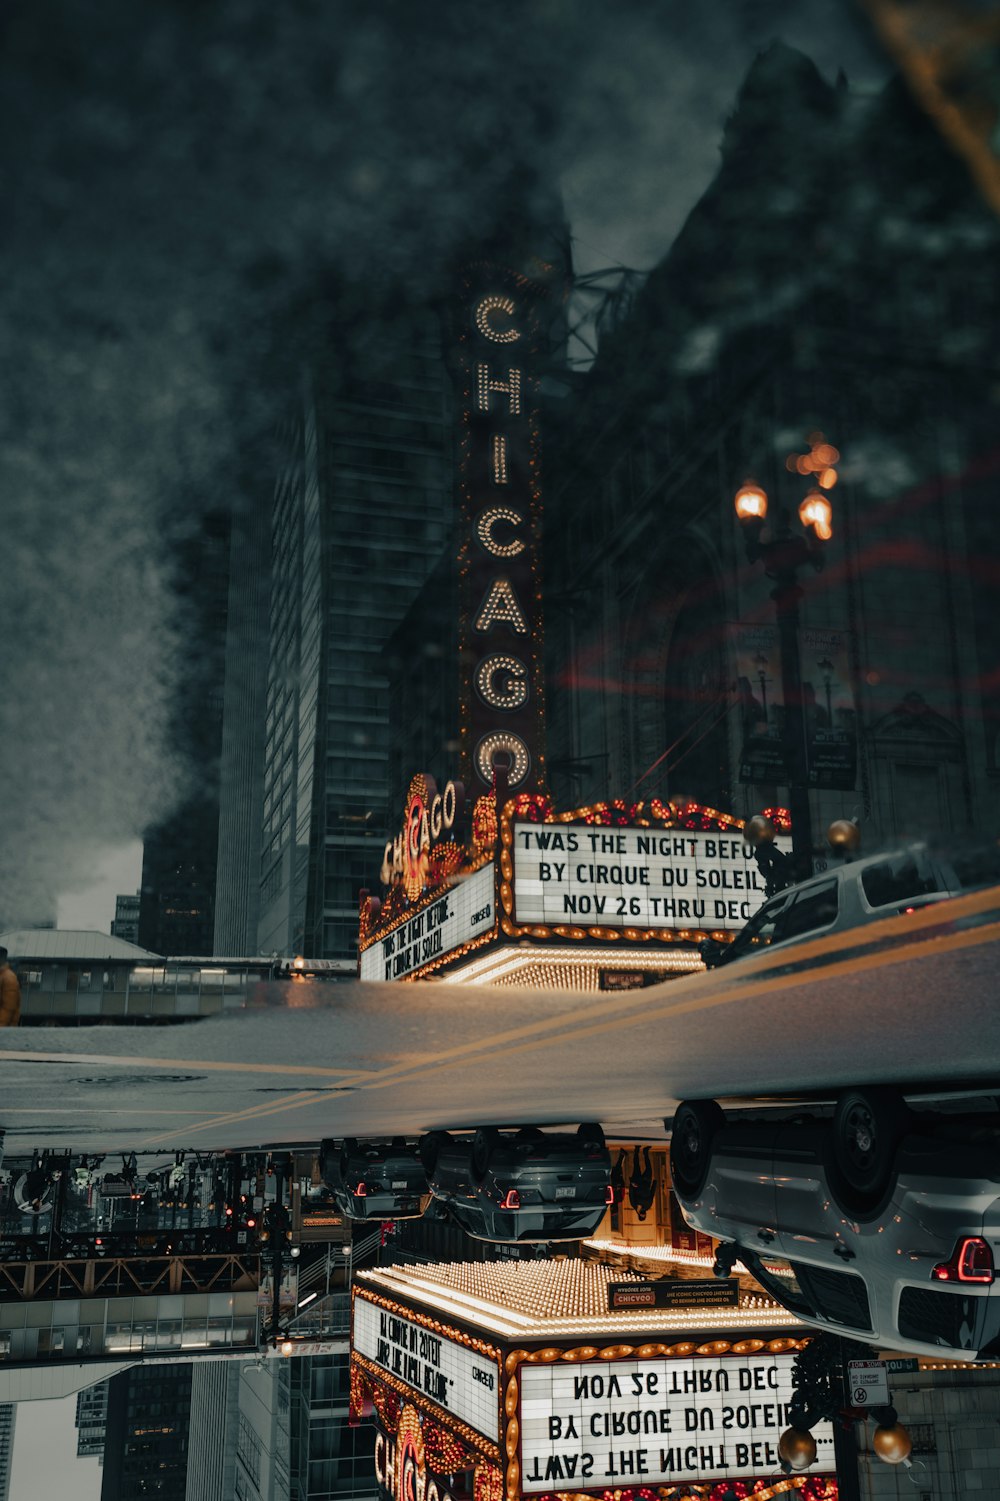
point(502, 712)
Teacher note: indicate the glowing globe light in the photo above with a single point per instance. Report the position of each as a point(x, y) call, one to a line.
point(750, 502)
point(816, 511)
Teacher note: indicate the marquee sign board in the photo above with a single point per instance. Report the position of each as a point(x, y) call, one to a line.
point(600, 1425)
point(634, 877)
point(671, 1292)
point(461, 912)
point(456, 1378)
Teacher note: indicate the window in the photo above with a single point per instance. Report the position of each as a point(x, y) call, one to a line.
point(811, 911)
point(759, 931)
point(900, 880)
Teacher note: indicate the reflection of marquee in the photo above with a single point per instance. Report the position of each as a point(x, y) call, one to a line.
point(442, 1447)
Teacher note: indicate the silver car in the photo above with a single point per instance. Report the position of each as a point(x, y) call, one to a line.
point(860, 892)
point(882, 1224)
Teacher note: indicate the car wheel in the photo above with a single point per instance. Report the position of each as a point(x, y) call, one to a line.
point(482, 1149)
point(867, 1126)
point(590, 1136)
point(694, 1127)
point(429, 1149)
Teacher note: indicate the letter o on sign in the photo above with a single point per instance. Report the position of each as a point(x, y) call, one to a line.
point(512, 748)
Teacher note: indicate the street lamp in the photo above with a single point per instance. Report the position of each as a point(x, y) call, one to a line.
point(784, 552)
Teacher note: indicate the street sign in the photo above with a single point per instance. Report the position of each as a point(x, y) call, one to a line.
point(902, 1365)
point(867, 1383)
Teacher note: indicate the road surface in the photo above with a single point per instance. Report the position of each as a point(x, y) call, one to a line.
point(914, 999)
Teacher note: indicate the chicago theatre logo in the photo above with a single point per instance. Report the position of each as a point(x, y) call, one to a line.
point(401, 1466)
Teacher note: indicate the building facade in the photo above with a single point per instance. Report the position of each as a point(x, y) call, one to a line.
point(146, 1448)
point(126, 919)
point(784, 325)
point(8, 1421)
point(91, 1419)
point(212, 1432)
point(177, 898)
point(362, 501)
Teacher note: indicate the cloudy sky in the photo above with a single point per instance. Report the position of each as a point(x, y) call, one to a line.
point(178, 174)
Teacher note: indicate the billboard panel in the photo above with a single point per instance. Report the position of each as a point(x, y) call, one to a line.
point(598, 1425)
point(458, 1379)
point(634, 877)
point(461, 912)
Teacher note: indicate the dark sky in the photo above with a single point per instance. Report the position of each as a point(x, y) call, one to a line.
point(175, 173)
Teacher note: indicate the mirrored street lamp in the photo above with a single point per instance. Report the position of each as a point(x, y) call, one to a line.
point(769, 538)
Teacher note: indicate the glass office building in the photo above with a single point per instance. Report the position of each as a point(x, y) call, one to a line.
point(361, 509)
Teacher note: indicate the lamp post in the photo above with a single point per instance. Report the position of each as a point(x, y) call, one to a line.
point(784, 552)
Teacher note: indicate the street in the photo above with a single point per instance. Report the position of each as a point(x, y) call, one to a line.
point(910, 1000)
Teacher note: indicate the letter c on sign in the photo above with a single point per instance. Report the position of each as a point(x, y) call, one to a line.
point(486, 523)
point(486, 321)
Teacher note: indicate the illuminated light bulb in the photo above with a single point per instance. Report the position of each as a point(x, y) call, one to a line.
point(486, 523)
point(514, 690)
point(488, 385)
point(499, 459)
point(501, 606)
point(816, 511)
point(750, 501)
point(825, 455)
point(828, 479)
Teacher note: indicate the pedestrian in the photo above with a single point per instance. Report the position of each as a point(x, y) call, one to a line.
point(641, 1185)
point(10, 993)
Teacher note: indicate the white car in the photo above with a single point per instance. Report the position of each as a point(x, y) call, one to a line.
point(862, 891)
point(882, 1224)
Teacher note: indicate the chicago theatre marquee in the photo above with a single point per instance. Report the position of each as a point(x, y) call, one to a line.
point(496, 1381)
point(485, 882)
point(509, 892)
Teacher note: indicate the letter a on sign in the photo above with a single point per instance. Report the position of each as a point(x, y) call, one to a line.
point(501, 606)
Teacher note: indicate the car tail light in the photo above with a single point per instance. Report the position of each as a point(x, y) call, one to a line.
point(609, 1194)
point(511, 1199)
point(361, 1191)
point(971, 1261)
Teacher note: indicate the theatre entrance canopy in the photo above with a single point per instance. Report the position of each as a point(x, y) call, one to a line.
point(611, 896)
point(502, 1380)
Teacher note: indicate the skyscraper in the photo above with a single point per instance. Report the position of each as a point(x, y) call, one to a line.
point(92, 1419)
point(8, 1417)
point(362, 502)
point(176, 914)
point(126, 919)
point(149, 1409)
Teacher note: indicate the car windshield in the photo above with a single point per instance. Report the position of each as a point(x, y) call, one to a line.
point(808, 912)
point(902, 878)
point(759, 931)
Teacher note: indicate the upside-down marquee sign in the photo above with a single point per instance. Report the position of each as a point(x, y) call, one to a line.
point(635, 1420)
point(611, 876)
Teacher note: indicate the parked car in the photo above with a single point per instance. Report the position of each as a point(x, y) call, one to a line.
point(881, 1224)
point(862, 891)
point(525, 1185)
point(375, 1180)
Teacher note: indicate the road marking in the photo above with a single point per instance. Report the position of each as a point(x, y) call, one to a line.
point(460, 1056)
point(252, 1112)
point(21, 1055)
